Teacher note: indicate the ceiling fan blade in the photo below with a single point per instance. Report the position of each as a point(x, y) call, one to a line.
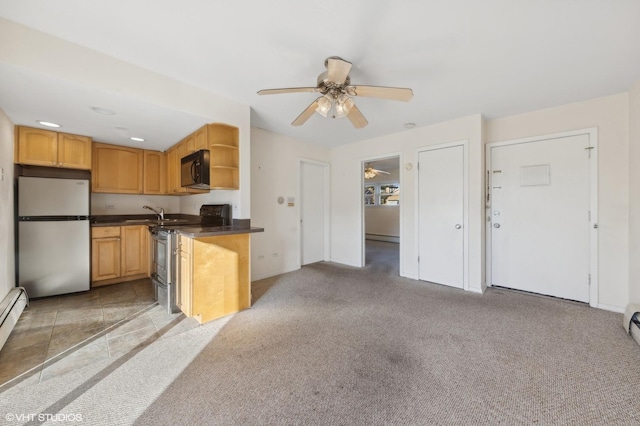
point(381, 171)
point(391, 93)
point(287, 90)
point(304, 116)
point(356, 117)
point(337, 70)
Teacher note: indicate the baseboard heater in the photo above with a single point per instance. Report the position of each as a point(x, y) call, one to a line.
point(631, 321)
point(10, 310)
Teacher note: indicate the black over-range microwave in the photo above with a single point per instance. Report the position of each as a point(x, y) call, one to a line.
point(194, 170)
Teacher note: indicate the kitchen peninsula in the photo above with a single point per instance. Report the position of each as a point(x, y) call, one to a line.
point(213, 271)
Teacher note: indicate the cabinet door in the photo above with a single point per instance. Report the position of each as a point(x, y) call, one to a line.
point(172, 170)
point(185, 276)
point(189, 144)
point(117, 169)
point(135, 250)
point(37, 147)
point(74, 152)
point(105, 258)
point(201, 139)
point(154, 171)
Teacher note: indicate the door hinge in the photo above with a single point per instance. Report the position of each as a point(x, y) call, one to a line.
point(589, 279)
point(418, 259)
point(589, 216)
point(589, 148)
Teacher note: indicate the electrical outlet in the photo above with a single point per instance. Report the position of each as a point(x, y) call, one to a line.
point(260, 257)
point(110, 206)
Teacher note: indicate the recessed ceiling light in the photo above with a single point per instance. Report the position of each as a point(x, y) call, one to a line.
point(49, 124)
point(409, 125)
point(103, 111)
point(136, 139)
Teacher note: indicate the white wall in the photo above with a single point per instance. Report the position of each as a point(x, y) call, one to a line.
point(7, 245)
point(132, 204)
point(346, 230)
point(40, 52)
point(275, 165)
point(634, 193)
point(610, 116)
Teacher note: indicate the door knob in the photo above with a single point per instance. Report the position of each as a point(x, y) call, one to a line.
point(496, 225)
point(458, 226)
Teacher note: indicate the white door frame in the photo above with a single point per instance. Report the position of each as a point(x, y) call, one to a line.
point(465, 216)
point(592, 132)
point(363, 161)
point(326, 167)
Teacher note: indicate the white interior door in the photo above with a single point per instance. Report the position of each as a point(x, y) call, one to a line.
point(540, 220)
point(441, 215)
point(313, 206)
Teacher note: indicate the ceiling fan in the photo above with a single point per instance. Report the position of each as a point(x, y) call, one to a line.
point(337, 92)
point(370, 172)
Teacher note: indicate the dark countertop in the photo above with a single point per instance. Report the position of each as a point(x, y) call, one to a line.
point(216, 231)
point(187, 225)
point(144, 219)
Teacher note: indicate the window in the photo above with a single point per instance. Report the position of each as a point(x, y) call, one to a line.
point(382, 194)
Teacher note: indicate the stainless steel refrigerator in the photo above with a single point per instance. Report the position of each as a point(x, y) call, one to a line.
point(53, 235)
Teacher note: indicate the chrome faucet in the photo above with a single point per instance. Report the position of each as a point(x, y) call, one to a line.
point(159, 213)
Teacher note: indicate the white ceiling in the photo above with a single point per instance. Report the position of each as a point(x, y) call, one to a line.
point(460, 57)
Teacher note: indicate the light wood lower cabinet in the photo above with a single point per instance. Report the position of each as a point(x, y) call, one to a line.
point(105, 253)
point(119, 253)
point(213, 276)
point(185, 275)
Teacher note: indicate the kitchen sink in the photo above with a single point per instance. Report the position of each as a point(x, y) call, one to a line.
point(158, 221)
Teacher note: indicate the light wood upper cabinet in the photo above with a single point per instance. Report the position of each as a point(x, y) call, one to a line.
point(154, 173)
point(201, 140)
point(174, 158)
point(74, 152)
point(40, 147)
point(222, 141)
point(225, 161)
point(117, 169)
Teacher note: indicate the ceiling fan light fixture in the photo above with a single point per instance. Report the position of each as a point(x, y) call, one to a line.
point(369, 174)
point(343, 105)
point(324, 105)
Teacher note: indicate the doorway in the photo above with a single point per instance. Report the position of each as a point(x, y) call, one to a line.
point(542, 227)
point(381, 214)
point(314, 212)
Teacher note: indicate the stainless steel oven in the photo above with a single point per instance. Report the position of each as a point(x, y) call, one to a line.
point(163, 274)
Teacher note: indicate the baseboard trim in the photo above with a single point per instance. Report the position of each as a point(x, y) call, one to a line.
point(385, 238)
point(610, 308)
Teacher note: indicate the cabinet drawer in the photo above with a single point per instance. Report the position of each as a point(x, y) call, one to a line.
point(105, 231)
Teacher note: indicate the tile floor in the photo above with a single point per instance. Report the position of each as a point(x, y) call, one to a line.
point(59, 334)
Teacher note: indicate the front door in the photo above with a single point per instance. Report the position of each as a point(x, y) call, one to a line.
point(441, 215)
point(540, 216)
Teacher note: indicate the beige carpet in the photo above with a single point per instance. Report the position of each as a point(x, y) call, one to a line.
point(336, 345)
